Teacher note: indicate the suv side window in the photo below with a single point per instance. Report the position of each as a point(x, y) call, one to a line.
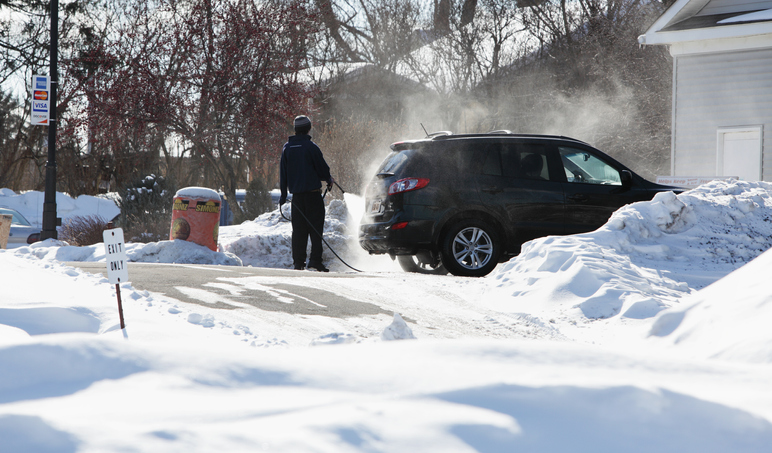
point(582, 167)
point(532, 163)
point(492, 160)
point(521, 161)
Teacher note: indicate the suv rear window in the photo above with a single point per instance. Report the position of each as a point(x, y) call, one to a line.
point(394, 162)
point(428, 161)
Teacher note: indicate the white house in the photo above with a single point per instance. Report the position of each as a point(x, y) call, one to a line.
point(722, 86)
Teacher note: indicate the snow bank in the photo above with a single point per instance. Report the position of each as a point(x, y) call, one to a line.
point(186, 377)
point(49, 298)
point(267, 240)
point(392, 396)
point(30, 204)
point(648, 256)
point(263, 242)
point(176, 251)
point(728, 320)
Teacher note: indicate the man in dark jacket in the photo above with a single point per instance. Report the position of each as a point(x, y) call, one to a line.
point(302, 171)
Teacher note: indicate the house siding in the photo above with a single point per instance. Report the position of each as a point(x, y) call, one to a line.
point(719, 90)
point(732, 6)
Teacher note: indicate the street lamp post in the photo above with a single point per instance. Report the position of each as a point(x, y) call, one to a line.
point(50, 221)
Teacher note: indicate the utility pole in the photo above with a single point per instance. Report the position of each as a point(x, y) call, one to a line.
point(50, 221)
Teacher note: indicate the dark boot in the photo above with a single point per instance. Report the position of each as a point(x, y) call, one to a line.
point(317, 267)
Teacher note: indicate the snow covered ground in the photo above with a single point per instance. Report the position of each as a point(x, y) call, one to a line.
point(649, 334)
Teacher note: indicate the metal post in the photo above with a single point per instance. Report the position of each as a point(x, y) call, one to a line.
point(50, 221)
point(120, 305)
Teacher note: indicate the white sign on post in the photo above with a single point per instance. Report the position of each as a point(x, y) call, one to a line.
point(41, 89)
point(115, 256)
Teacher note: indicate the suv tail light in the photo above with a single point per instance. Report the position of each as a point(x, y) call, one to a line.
point(407, 184)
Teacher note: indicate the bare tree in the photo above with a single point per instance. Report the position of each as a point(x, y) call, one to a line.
point(24, 46)
point(379, 32)
point(220, 78)
point(471, 43)
point(18, 165)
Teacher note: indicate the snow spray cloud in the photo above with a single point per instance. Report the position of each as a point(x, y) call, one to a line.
point(608, 117)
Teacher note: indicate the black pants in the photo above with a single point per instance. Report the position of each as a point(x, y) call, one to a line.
point(307, 212)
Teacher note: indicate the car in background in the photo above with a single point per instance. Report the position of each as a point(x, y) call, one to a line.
point(276, 196)
point(464, 203)
point(22, 232)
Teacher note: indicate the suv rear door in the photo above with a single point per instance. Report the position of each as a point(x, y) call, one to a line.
point(518, 182)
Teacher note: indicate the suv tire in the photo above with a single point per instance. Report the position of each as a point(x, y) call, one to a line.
point(471, 248)
point(413, 263)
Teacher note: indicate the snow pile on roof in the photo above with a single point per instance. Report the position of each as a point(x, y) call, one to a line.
point(198, 192)
point(30, 204)
point(758, 16)
point(647, 256)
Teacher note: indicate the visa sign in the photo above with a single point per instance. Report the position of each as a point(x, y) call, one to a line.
point(40, 104)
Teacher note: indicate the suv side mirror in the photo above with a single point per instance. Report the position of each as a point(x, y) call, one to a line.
point(627, 178)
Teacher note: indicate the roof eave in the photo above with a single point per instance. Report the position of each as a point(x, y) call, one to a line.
point(652, 37)
point(666, 18)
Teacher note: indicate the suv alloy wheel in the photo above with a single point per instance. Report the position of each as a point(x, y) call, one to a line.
point(471, 248)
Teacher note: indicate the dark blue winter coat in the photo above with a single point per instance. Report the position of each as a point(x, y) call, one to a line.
point(302, 167)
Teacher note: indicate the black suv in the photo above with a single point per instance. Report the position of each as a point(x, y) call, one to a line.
point(464, 203)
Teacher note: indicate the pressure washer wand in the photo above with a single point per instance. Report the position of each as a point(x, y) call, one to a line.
point(339, 187)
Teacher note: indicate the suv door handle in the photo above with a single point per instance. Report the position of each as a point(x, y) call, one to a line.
point(579, 198)
point(492, 190)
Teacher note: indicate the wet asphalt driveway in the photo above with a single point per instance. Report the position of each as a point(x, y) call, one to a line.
point(230, 287)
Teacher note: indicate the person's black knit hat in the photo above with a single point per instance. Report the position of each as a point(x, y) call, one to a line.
point(302, 122)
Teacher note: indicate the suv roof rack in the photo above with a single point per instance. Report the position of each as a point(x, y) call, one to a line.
point(439, 134)
point(448, 136)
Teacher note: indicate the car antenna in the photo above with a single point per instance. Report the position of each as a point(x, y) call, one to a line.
point(425, 131)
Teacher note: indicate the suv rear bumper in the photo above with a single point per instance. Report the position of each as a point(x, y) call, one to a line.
point(380, 238)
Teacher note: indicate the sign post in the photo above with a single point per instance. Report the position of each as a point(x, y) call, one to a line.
point(115, 258)
point(50, 220)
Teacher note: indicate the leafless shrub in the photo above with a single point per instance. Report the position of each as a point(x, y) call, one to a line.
point(146, 209)
point(83, 230)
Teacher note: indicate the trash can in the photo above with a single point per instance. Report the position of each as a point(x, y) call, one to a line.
point(196, 216)
point(5, 229)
